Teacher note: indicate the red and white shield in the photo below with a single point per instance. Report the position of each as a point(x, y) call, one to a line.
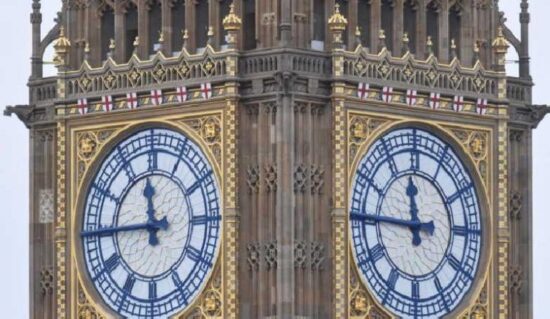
point(82, 106)
point(411, 97)
point(363, 90)
point(107, 103)
point(206, 90)
point(156, 97)
point(435, 100)
point(132, 100)
point(481, 106)
point(458, 103)
point(387, 93)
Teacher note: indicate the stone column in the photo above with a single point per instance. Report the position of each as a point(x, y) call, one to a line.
point(143, 29)
point(120, 31)
point(443, 41)
point(524, 18)
point(285, 28)
point(398, 27)
point(421, 34)
point(36, 59)
point(166, 27)
point(375, 23)
point(466, 34)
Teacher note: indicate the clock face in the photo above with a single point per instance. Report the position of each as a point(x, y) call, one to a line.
point(415, 224)
point(151, 225)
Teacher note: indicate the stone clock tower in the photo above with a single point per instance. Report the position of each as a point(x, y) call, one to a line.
point(280, 159)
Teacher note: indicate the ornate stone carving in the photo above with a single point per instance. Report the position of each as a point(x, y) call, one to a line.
point(270, 171)
point(317, 256)
point(300, 178)
point(270, 255)
point(516, 279)
point(209, 129)
point(360, 128)
point(361, 304)
point(253, 179)
point(47, 280)
point(516, 204)
point(516, 136)
point(480, 308)
point(210, 302)
point(300, 254)
point(88, 144)
point(46, 212)
point(253, 259)
point(477, 145)
point(316, 179)
point(85, 309)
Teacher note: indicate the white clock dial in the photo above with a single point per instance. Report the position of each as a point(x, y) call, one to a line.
point(151, 225)
point(415, 223)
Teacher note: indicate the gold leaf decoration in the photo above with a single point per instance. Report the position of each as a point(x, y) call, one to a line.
point(476, 144)
point(209, 129)
point(85, 309)
point(210, 303)
point(360, 129)
point(88, 144)
point(361, 304)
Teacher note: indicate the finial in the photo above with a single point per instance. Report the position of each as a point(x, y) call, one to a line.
point(358, 36)
point(87, 51)
point(185, 38)
point(61, 47)
point(476, 52)
point(160, 41)
point(232, 22)
point(112, 46)
point(381, 39)
point(430, 45)
point(210, 34)
point(136, 44)
point(337, 22)
point(500, 45)
point(405, 46)
point(453, 49)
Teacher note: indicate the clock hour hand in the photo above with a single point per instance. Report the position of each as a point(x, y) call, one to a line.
point(104, 231)
point(420, 226)
point(149, 192)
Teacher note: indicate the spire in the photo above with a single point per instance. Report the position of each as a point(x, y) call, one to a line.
point(524, 19)
point(36, 21)
point(61, 47)
point(231, 24)
point(405, 47)
point(337, 24)
point(381, 40)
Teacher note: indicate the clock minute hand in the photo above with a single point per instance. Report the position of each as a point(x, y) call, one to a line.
point(425, 227)
point(155, 225)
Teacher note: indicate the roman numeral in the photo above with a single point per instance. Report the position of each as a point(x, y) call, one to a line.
point(415, 290)
point(176, 279)
point(202, 220)
point(129, 284)
point(376, 253)
point(459, 193)
point(112, 262)
point(197, 184)
point(152, 160)
point(440, 291)
point(392, 279)
point(152, 290)
point(415, 160)
point(464, 232)
point(196, 256)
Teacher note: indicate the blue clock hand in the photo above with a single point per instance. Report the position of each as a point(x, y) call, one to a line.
point(149, 192)
point(156, 225)
point(412, 191)
point(426, 227)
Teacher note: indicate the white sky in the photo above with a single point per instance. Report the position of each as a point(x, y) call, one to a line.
point(14, 165)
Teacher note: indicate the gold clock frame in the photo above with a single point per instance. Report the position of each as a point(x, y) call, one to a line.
point(480, 301)
point(82, 142)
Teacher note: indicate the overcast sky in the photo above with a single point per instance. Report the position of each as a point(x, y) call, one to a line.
point(15, 31)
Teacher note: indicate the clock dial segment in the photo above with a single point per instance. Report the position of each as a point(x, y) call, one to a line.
point(151, 225)
point(415, 222)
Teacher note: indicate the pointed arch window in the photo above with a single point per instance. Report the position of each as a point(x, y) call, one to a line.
point(363, 20)
point(410, 9)
point(155, 25)
point(432, 23)
point(107, 16)
point(201, 23)
point(178, 24)
point(131, 31)
point(319, 20)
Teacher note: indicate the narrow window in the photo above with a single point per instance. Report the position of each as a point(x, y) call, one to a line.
point(409, 21)
point(454, 26)
point(201, 23)
point(178, 24)
point(155, 26)
point(107, 30)
point(432, 25)
point(387, 22)
point(363, 21)
point(249, 24)
point(131, 29)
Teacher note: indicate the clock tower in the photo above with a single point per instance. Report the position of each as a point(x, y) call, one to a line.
point(280, 159)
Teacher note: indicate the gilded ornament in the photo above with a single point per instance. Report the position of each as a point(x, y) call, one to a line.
point(211, 131)
point(337, 22)
point(360, 304)
point(87, 146)
point(359, 130)
point(232, 22)
point(477, 146)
